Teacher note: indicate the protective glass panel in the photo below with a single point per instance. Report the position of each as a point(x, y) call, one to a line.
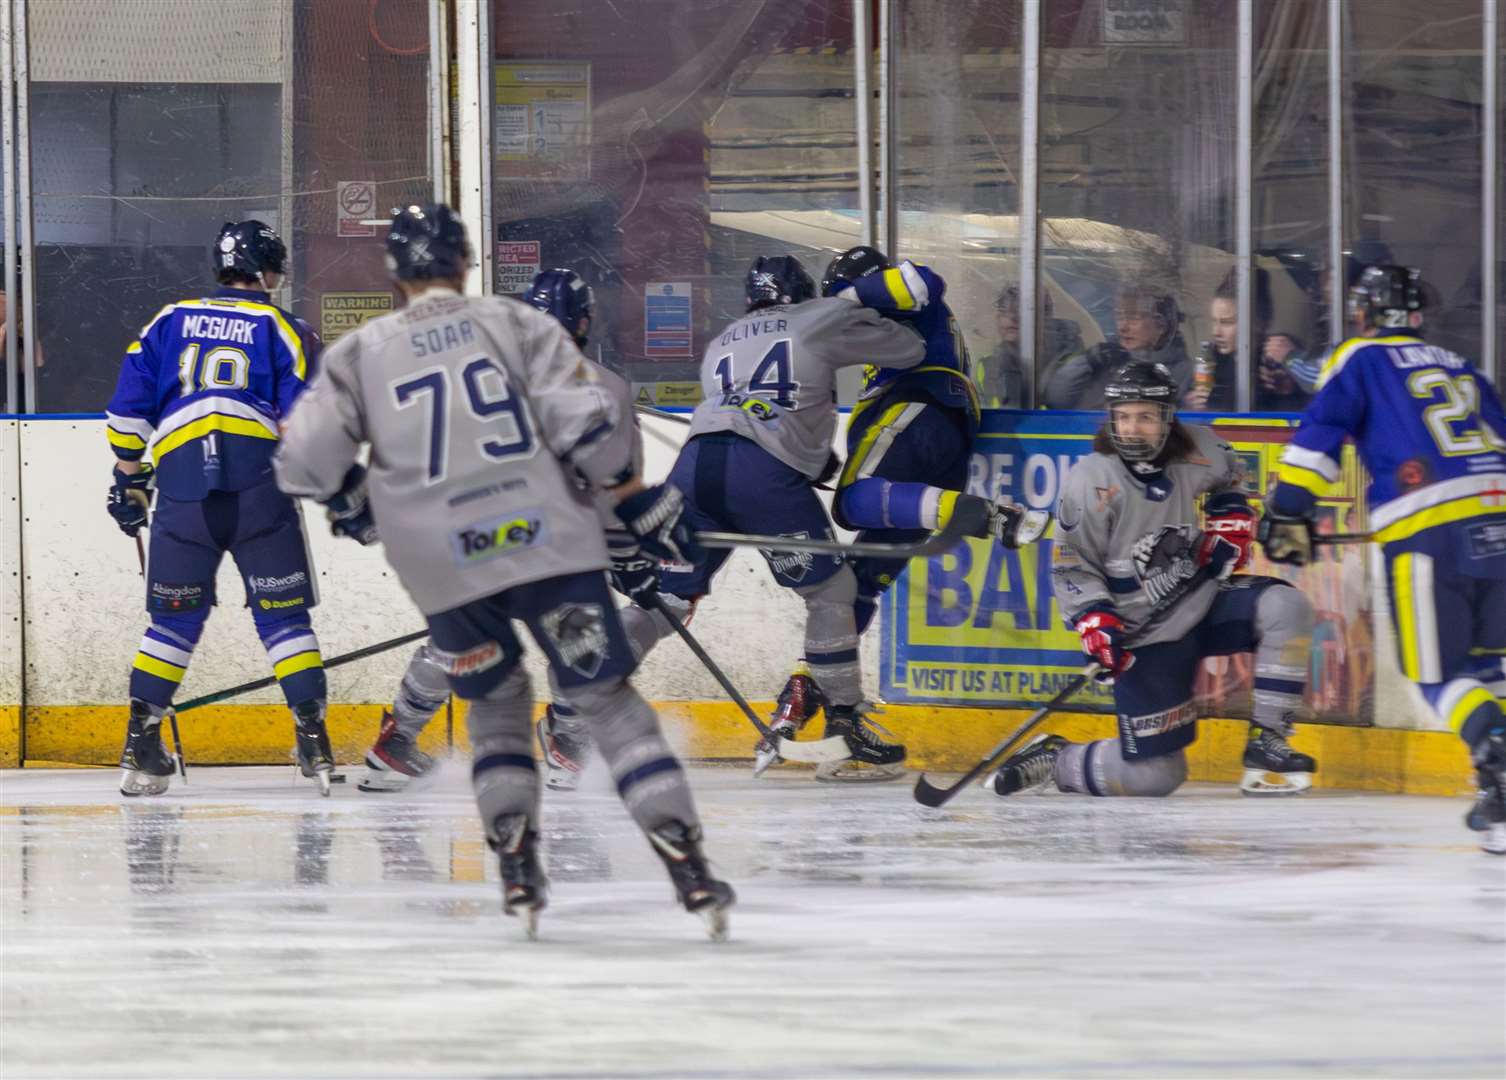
point(1500, 122)
point(1289, 210)
point(1412, 114)
point(1137, 184)
point(315, 123)
point(957, 175)
point(657, 147)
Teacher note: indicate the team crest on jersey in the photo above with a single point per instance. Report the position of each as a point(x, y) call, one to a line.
point(578, 633)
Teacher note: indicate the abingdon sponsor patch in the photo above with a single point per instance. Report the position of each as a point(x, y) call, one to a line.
point(497, 536)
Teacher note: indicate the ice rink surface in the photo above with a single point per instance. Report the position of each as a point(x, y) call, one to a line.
point(243, 926)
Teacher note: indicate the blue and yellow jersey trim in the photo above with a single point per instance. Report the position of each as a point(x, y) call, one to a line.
point(1341, 356)
point(211, 412)
point(1442, 503)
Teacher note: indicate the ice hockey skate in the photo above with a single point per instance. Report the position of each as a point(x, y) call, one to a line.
point(873, 760)
point(1488, 815)
point(566, 751)
point(394, 760)
point(679, 845)
point(1272, 767)
point(799, 701)
point(315, 758)
point(525, 889)
point(1032, 767)
point(146, 766)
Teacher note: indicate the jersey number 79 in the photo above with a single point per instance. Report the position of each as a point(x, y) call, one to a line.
point(487, 396)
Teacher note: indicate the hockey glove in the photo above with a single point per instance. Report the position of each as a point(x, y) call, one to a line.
point(1228, 514)
point(1285, 539)
point(129, 497)
point(1102, 634)
point(1218, 554)
point(634, 574)
point(1014, 526)
point(349, 510)
point(654, 515)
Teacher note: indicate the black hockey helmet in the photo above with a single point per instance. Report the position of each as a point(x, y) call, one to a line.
point(855, 262)
point(1386, 296)
point(563, 293)
point(1137, 381)
point(427, 242)
point(777, 279)
point(248, 249)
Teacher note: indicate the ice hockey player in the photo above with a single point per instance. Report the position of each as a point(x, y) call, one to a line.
point(1127, 539)
point(481, 413)
point(395, 759)
point(1431, 433)
point(909, 443)
point(761, 440)
point(205, 387)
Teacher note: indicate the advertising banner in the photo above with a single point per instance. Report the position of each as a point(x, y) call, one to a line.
point(979, 625)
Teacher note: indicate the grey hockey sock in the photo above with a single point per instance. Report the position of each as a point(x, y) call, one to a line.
point(424, 690)
point(831, 637)
point(1099, 768)
point(649, 778)
point(503, 774)
point(1284, 624)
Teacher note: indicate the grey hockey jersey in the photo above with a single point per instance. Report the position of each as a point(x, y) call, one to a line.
point(1105, 508)
point(480, 413)
point(771, 375)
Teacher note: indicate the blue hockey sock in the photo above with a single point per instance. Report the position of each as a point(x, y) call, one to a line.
point(294, 652)
point(162, 660)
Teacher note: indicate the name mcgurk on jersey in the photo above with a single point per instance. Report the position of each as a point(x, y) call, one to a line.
point(220, 328)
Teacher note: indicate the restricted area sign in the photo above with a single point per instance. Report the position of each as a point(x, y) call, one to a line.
point(517, 264)
point(356, 202)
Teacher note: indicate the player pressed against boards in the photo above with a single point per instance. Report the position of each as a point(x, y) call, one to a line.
point(503, 423)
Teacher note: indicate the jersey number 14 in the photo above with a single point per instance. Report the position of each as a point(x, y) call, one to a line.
point(772, 377)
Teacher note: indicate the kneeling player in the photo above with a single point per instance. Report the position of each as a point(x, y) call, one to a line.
point(1432, 435)
point(480, 413)
point(1127, 539)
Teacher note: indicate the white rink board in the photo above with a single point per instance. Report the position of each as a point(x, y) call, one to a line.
point(85, 612)
point(10, 562)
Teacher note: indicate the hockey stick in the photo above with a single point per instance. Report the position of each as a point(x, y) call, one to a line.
point(346, 658)
point(928, 794)
point(1342, 538)
point(649, 410)
point(935, 544)
point(815, 752)
point(172, 717)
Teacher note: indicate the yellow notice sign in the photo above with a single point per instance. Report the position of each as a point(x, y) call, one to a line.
point(541, 119)
point(342, 312)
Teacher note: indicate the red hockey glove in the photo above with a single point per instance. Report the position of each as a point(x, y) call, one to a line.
point(1228, 514)
point(1102, 635)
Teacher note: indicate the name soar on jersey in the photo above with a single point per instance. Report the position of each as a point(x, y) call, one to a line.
point(771, 383)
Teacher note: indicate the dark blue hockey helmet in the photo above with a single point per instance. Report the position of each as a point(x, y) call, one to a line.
point(855, 262)
point(562, 292)
point(777, 279)
point(1386, 297)
point(248, 249)
point(427, 242)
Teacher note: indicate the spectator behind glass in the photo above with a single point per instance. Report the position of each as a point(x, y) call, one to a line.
point(1275, 388)
point(1001, 379)
point(1146, 324)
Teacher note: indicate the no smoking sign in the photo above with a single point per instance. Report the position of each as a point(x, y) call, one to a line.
point(356, 200)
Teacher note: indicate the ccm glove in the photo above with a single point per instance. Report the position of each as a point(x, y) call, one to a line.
point(130, 495)
point(1221, 556)
point(349, 511)
point(634, 574)
point(1228, 514)
point(1102, 634)
point(653, 516)
point(1285, 539)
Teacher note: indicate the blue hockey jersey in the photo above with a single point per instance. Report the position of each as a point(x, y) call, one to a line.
point(913, 294)
point(1431, 433)
point(205, 387)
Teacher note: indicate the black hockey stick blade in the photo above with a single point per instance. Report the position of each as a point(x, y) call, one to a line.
point(934, 544)
point(172, 722)
point(928, 794)
point(816, 751)
point(346, 658)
